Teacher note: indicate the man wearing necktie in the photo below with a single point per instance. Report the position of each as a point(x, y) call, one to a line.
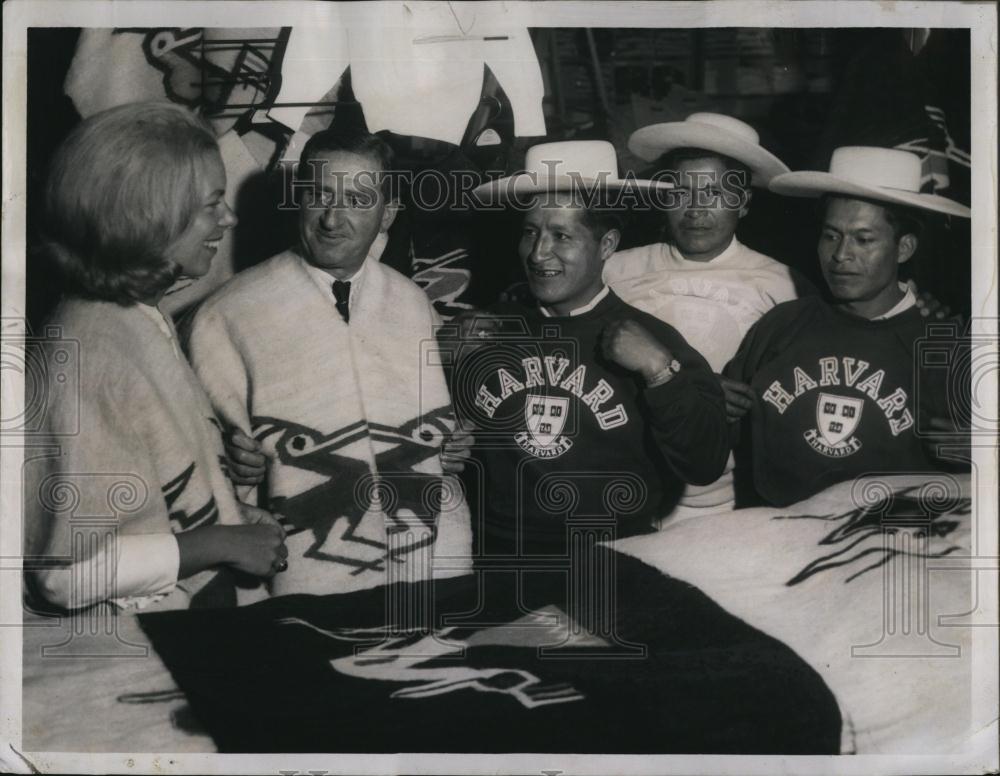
point(346, 206)
point(313, 361)
point(342, 293)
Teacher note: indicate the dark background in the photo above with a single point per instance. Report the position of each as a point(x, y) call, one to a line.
point(806, 91)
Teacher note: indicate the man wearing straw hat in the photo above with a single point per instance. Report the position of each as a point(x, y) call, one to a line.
point(704, 281)
point(834, 389)
point(580, 387)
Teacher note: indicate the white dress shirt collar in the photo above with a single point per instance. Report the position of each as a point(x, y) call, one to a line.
point(731, 251)
point(909, 300)
point(579, 310)
point(324, 280)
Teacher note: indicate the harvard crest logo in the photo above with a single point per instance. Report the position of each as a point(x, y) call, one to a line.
point(545, 417)
point(836, 419)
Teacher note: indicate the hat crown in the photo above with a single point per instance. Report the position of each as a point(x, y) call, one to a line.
point(734, 126)
point(866, 172)
point(877, 167)
point(713, 132)
point(588, 159)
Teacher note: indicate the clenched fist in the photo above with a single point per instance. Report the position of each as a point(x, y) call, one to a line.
point(631, 345)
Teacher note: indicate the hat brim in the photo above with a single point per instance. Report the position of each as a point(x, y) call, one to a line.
point(807, 183)
point(649, 143)
point(526, 183)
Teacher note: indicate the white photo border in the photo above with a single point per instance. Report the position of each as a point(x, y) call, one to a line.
point(979, 18)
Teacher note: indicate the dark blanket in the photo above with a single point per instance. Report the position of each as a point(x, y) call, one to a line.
point(670, 672)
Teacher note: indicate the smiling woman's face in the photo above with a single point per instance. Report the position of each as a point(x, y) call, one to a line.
point(704, 224)
point(198, 244)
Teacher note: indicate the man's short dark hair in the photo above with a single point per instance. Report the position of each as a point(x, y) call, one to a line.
point(595, 214)
point(903, 220)
point(353, 141)
point(600, 220)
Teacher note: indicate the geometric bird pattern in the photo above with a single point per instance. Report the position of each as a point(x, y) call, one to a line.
point(350, 487)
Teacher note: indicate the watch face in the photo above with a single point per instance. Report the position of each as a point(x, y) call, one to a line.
point(666, 375)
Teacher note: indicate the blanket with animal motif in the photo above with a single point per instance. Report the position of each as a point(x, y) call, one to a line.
point(843, 623)
point(873, 583)
point(352, 416)
point(497, 663)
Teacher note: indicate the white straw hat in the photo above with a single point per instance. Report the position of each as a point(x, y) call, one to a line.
point(867, 172)
point(567, 166)
point(713, 132)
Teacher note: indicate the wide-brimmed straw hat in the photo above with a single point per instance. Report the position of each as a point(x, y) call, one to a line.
point(571, 165)
point(713, 132)
point(866, 172)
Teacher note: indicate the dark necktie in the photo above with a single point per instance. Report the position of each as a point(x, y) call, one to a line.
point(342, 293)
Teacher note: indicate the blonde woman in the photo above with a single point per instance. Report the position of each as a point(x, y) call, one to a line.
point(133, 506)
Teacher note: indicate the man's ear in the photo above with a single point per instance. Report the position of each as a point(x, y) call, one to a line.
point(389, 215)
point(609, 243)
point(745, 206)
point(907, 247)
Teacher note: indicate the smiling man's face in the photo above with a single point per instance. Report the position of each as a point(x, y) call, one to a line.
point(704, 223)
point(342, 211)
point(563, 258)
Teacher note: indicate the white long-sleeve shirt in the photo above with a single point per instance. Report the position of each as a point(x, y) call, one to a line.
point(712, 304)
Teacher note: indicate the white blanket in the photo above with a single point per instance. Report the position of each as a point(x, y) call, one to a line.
point(855, 581)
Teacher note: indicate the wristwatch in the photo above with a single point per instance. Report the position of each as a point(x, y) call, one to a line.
point(665, 375)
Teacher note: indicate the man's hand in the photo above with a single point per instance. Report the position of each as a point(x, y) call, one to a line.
point(739, 398)
point(246, 460)
point(458, 449)
point(476, 325)
point(630, 345)
point(467, 332)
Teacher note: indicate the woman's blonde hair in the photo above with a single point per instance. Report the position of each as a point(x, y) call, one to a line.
point(120, 190)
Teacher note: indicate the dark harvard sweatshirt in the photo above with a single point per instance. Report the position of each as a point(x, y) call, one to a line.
point(562, 433)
